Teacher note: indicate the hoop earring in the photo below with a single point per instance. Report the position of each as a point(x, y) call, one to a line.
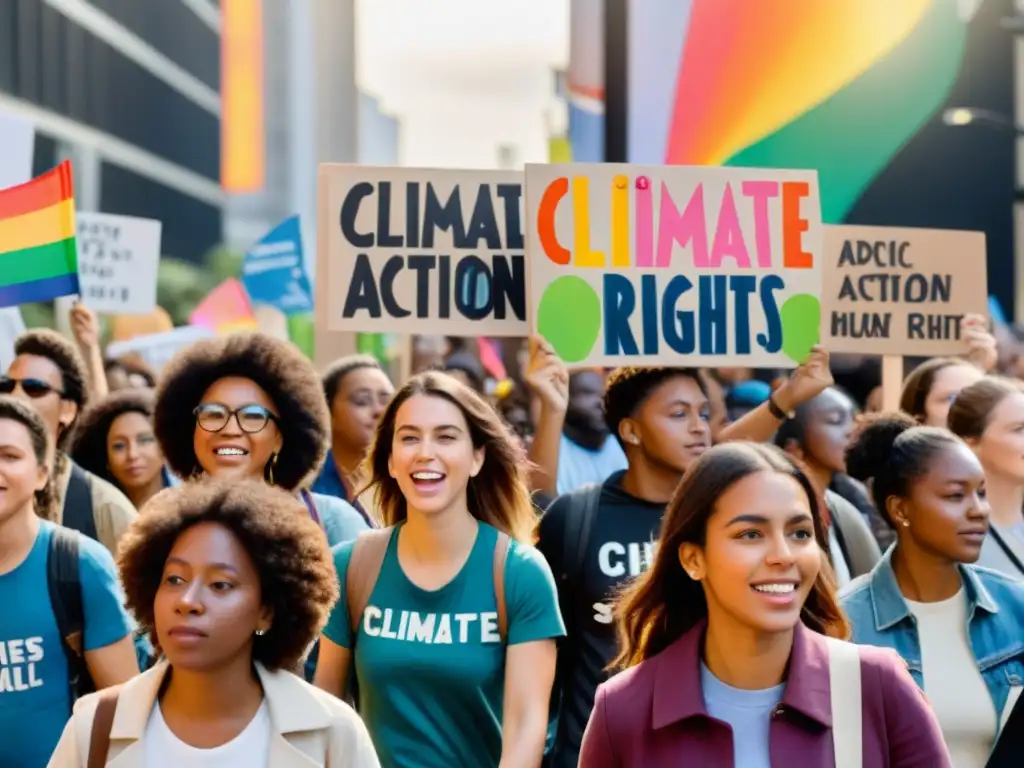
point(270, 468)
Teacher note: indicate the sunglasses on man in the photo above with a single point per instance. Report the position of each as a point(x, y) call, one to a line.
point(33, 388)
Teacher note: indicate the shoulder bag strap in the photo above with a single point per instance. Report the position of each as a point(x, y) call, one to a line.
point(314, 513)
point(103, 720)
point(364, 566)
point(1007, 549)
point(501, 547)
point(845, 693)
point(64, 587)
point(78, 512)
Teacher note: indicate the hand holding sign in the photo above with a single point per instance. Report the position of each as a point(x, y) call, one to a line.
point(981, 345)
point(807, 382)
point(84, 326)
point(547, 376)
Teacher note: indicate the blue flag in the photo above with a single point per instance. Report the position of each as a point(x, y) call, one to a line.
point(274, 272)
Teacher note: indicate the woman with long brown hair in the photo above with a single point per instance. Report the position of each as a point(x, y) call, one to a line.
point(449, 616)
point(732, 643)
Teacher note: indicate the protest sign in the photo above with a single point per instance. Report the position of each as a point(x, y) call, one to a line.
point(18, 139)
point(901, 291)
point(635, 265)
point(118, 258)
point(12, 325)
point(274, 272)
point(157, 348)
point(408, 250)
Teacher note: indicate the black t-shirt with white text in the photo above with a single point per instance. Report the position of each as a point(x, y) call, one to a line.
point(621, 546)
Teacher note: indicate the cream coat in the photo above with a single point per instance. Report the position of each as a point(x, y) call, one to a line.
point(309, 728)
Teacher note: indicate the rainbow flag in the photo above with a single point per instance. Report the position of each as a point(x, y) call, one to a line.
point(38, 258)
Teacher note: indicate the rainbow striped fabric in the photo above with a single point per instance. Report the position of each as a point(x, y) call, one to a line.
point(38, 257)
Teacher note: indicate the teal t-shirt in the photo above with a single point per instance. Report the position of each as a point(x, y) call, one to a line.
point(35, 699)
point(431, 665)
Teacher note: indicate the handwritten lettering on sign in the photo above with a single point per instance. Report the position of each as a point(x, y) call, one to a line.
point(118, 259)
point(423, 251)
point(901, 291)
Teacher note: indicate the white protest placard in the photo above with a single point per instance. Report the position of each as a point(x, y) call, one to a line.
point(118, 258)
point(17, 145)
point(11, 327)
point(674, 265)
point(406, 250)
point(157, 348)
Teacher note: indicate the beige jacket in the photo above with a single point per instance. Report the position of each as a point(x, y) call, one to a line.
point(309, 728)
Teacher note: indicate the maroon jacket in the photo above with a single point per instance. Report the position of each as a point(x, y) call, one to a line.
point(653, 715)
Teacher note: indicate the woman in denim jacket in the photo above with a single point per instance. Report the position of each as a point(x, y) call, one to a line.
point(959, 627)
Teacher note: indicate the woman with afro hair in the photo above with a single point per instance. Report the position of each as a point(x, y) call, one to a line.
point(250, 406)
point(114, 440)
point(232, 581)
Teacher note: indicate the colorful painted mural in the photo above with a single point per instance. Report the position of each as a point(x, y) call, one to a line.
point(838, 86)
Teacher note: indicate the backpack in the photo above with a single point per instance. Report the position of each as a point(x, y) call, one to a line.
point(579, 523)
point(65, 590)
point(367, 559)
point(78, 512)
point(64, 586)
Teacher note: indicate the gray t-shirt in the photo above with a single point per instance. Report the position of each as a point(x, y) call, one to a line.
point(749, 713)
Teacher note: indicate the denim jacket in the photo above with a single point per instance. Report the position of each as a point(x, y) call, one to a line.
point(995, 625)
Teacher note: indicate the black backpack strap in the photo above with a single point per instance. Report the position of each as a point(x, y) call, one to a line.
point(78, 511)
point(65, 590)
point(579, 522)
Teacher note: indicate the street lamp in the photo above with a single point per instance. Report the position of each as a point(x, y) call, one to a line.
point(961, 116)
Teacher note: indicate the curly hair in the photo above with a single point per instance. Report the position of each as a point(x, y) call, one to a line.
point(15, 410)
point(43, 342)
point(298, 582)
point(627, 388)
point(89, 443)
point(339, 369)
point(279, 368)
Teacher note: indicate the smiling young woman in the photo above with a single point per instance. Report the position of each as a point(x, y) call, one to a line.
point(731, 636)
point(451, 592)
point(958, 627)
point(248, 406)
point(232, 581)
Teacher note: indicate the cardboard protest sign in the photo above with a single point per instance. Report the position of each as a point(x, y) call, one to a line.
point(157, 348)
point(901, 291)
point(118, 258)
point(18, 139)
point(635, 265)
point(274, 273)
point(407, 250)
point(12, 325)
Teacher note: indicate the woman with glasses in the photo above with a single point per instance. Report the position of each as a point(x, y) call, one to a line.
point(250, 406)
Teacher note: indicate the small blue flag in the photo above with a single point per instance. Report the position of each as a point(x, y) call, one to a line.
point(274, 272)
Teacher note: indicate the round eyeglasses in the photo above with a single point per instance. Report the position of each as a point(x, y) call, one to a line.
point(213, 417)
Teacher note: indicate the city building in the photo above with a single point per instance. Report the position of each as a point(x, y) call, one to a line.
point(129, 91)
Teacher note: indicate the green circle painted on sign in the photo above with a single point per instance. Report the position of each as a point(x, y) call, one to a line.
point(801, 325)
point(569, 317)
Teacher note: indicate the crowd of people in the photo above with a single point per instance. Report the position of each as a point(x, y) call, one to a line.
point(240, 562)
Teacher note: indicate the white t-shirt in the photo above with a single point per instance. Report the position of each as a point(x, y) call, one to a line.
point(249, 749)
point(954, 686)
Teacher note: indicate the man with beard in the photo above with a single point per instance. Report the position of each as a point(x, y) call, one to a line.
point(599, 536)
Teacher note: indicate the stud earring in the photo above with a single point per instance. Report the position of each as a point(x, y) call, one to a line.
point(635, 440)
point(906, 523)
point(261, 632)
